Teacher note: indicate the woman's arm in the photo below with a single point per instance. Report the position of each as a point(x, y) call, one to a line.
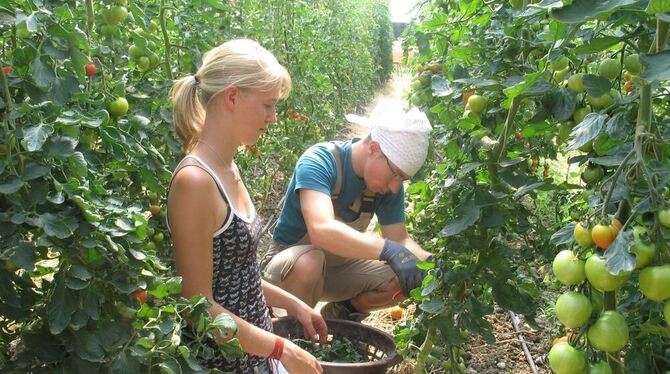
point(312, 322)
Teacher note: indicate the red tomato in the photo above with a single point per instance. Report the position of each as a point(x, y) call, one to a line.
point(90, 69)
point(140, 295)
point(7, 69)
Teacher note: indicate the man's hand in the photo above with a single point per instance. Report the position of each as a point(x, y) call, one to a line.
point(403, 263)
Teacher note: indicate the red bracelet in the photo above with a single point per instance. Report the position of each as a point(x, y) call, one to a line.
point(278, 350)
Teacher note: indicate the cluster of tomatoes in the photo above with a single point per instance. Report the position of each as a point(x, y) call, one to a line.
point(609, 332)
point(296, 116)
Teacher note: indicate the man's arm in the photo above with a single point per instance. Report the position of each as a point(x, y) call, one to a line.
point(332, 235)
point(398, 232)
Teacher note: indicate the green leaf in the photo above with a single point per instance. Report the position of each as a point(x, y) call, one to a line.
point(655, 67)
point(658, 6)
point(596, 45)
point(613, 159)
point(616, 126)
point(60, 307)
point(61, 146)
point(564, 236)
point(124, 362)
point(583, 10)
point(35, 136)
point(596, 85)
point(619, 259)
point(80, 272)
point(440, 86)
point(34, 171)
point(55, 225)
point(513, 298)
point(586, 131)
point(43, 75)
point(78, 164)
point(527, 188)
point(433, 306)
point(561, 103)
point(14, 185)
point(225, 324)
point(466, 215)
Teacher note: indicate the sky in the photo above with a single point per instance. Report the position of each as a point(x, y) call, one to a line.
point(400, 10)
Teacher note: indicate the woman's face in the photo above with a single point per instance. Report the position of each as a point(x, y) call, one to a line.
point(255, 112)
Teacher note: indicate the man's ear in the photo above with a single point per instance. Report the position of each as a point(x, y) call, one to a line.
point(374, 147)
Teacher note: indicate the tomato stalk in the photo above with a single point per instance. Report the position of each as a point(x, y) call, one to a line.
point(425, 350)
point(166, 39)
point(89, 20)
point(496, 154)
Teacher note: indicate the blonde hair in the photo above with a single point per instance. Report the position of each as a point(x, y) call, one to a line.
point(242, 63)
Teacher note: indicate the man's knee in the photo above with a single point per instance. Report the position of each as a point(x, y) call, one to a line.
point(308, 268)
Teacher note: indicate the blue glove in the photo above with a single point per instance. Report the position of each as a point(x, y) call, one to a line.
point(403, 263)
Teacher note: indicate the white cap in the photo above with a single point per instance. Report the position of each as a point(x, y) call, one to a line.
point(402, 136)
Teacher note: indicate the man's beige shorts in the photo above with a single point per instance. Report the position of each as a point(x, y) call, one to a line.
point(344, 278)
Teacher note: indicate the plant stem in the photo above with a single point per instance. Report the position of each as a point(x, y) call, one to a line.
point(89, 20)
point(614, 179)
point(424, 351)
point(166, 40)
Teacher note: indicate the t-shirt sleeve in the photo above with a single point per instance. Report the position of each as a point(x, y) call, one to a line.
point(316, 170)
point(391, 208)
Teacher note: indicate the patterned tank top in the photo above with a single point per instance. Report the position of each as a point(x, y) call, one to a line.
point(236, 278)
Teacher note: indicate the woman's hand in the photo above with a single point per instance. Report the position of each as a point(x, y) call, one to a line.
point(298, 361)
point(312, 322)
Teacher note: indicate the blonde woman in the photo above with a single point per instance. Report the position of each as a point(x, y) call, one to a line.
point(215, 228)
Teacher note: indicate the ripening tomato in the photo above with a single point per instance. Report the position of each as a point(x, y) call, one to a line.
point(141, 295)
point(154, 209)
point(467, 94)
point(566, 359)
point(583, 236)
point(7, 69)
point(90, 69)
point(609, 333)
point(628, 86)
point(604, 235)
point(396, 313)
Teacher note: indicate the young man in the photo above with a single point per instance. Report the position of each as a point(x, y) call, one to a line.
point(320, 249)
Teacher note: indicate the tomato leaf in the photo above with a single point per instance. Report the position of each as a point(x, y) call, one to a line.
point(596, 45)
point(526, 189)
point(35, 136)
point(616, 126)
point(596, 85)
point(656, 67)
point(440, 86)
point(564, 236)
point(14, 185)
point(658, 6)
point(60, 307)
point(619, 259)
point(513, 298)
point(466, 215)
point(561, 103)
point(614, 158)
point(586, 131)
point(582, 10)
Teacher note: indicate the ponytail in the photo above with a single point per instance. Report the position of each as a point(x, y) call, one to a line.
point(188, 112)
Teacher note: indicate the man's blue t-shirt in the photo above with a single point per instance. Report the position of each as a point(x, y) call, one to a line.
point(316, 170)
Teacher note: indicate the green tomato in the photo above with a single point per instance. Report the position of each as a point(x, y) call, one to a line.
point(655, 282)
point(583, 236)
point(560, 74)
point(588, 147)
point(477, 103)
point(600, 102)
point(600, 367)
point(560, 64)
point(143, 63)
point(118, 107)
point(644, 252)
point(600, 278)
point(579, 114)
point(609, 333)
point(136, 52)
point(159, 237)
point(664, 217)
point(117, 14)
point(564, 131)
point(573, 309)
point(576, 82)
point(592, 173)
point(632, 64)
point(565, 359)
point(568, 268)
point(609, 68)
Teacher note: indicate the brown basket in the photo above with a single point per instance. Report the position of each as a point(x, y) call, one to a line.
point(373, 343)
